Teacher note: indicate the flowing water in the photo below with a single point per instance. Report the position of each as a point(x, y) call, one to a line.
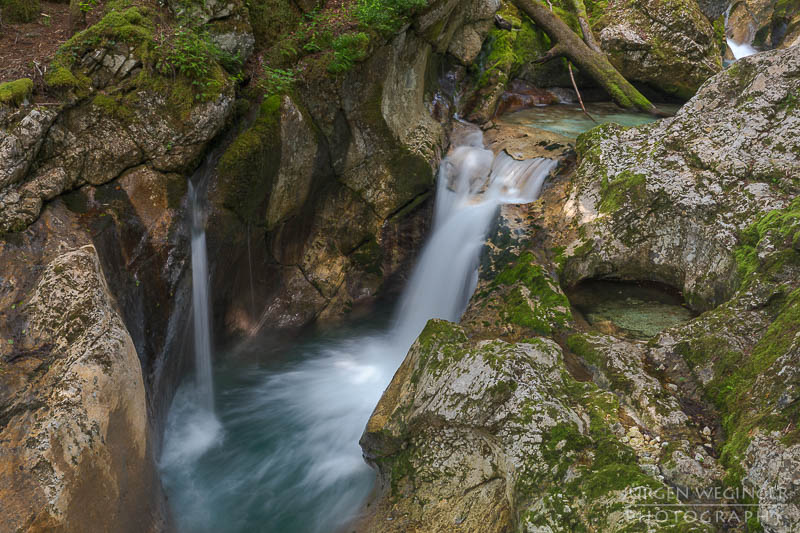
point(569, 120)
point(204, 386)
point(741, 50)
point(283, 455)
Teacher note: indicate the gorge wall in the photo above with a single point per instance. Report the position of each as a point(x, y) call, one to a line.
point(319, 151)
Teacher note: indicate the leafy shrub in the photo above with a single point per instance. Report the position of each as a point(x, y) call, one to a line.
point(386, 16)
point(347, 50)
point(190, 53)
point(276, 81)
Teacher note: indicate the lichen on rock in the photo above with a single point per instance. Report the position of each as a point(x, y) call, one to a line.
point(77, 443)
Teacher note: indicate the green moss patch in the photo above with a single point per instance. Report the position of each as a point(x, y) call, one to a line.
point(779, 225)
point(746, 387)
point(16, 92)
point(534, 301)
point(329, 40)
point(178, 60)
point(248, 167)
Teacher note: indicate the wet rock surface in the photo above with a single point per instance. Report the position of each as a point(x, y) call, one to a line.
point(358, 157)
point(765, 24)
point(670, 46)
point(78, 447)
point(705, 403)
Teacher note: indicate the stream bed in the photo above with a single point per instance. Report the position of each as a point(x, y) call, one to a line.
point(570, 121)
point(277, 451)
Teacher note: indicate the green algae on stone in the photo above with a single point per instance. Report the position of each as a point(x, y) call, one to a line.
point(782, 224)
point(16, 92)
point(534, 301)
point(248, 167)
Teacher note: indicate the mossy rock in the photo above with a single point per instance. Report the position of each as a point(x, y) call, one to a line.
point(182, 63)
point(131, 26)
point(16, 92)
point(250, 164)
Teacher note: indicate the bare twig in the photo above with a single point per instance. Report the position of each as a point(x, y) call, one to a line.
point(575, 86)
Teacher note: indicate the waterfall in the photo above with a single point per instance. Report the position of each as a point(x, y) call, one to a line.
point(291, 461)
point(200, 304)
point(739, 50)
point(472, 184)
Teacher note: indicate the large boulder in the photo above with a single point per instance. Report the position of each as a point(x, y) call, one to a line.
point(668, 45)
point(668, 201)
point(706, 202)
point(493, 436)
point(77, 445)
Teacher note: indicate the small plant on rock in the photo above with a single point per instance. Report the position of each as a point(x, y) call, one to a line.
point(276, 81)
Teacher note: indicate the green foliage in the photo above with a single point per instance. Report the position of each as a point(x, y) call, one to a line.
point(276, 81)
point(348, 49)
point(86, 6)
point(15, 92)
point(272, 20)
point(181, 61)
point(327, 40)
point(191, 53)
point(387, 16)
point(21, 10)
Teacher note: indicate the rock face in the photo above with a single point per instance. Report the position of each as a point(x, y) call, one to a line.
point(469, 432)
point(94, 284)
point(764, 23)
point(709, 172)
point(670, 46)
point(355, 159)
point(84, 461)
point(98, 134)
point(51, 153)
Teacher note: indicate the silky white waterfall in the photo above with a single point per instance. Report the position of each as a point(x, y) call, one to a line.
point(200, 303)
point(741, 50)
point(290, 459)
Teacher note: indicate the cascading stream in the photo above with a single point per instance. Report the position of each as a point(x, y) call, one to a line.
point(200, 304)
point(287, 457)
point(739, 50)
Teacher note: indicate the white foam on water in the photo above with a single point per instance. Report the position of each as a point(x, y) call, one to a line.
point(290, 453)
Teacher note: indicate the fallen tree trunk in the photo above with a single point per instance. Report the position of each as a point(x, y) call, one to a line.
point(592, 63)
point(583, 20)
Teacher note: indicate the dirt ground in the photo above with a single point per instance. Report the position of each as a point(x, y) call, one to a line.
point(27, 49)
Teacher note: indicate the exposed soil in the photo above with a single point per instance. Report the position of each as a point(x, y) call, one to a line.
point(27, 49)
